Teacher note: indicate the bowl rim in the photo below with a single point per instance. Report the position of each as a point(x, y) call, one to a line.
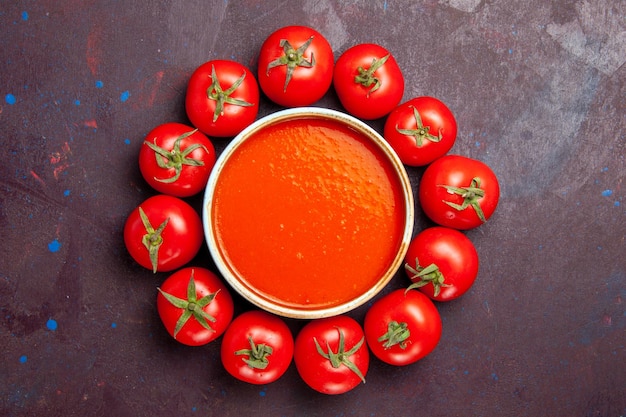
point(308, 113)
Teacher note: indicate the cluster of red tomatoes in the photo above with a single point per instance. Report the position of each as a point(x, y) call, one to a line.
point(296, 67)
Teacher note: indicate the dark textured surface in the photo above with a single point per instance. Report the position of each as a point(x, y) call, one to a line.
point(539, 92)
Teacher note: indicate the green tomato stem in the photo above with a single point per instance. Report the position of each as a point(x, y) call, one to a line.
point(421, 132)
point(397, 334)
point(367, 78)
point(191, 306)
point(341, 357)
point(257, 355)
point(470, 195)
point(176, 157)
point(422, 276)
point(215, 92)
point(292, 58)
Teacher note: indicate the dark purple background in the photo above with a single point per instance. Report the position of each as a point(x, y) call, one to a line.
point(539, 92)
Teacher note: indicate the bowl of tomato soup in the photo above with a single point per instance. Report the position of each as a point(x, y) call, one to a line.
point(308, 213)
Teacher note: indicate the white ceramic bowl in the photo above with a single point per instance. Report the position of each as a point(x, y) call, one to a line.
point(257, 246)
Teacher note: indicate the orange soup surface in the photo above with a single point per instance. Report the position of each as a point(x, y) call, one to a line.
point(308, 213)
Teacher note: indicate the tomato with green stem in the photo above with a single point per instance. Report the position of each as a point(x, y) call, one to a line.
point(442, 263)
point(257, 347)
point(195, 306)
point(402, 327)
point(163, 233)
point(368, 81)
point(331, 355)
point(295, 66)
point(176, 159)
point(459, 192)
point(421, 130)
point(222, 98)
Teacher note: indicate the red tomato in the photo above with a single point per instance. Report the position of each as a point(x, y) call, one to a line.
point(331, 355)
point(459, 192)
point(163, 233)
point(402, 327)
point(175, 159)
point(442, 263)
point(368, 81)
point(195, 306)
point(420, 130)
point(222, 98)
point(295, 66)
point(257, 347)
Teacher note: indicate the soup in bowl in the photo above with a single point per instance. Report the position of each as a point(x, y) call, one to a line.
point(308, 213)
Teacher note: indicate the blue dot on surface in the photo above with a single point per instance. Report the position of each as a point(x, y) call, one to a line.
point(99, 84)
point(113, 325)
point(54, 246)
point(607, 193)
point(124, 96)
point(10, 99)
point(77, 102)
point(127, 141)
point(52, 324)
point(23, 359)
point(24, 15)
point(66, 193)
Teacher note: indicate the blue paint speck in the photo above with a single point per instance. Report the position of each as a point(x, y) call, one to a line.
point(124, 96)
point(193, 409)
point(607, 193)
point(52, 324)
point(23, 359)
point(24, 15)
point(113, 325)
point(99, 84)
point(616, 204)
point(605, 169)
point(262, 393)
point(66, 193)
point(127, 141)
point(477, 144)
point(54, 246)
point(10, 99)
point(494, 376)
point(77, 102)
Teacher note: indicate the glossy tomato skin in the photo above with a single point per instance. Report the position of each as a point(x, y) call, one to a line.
point(437, 198)
point(312, 75)
point(417, 312)
point(419, 141)
point(181, 238)
point(233, 117)
point(371, 101)
point(180, 179)
point(265, 330)
point(220, 308)
point(316, 370)
point(452, 253)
